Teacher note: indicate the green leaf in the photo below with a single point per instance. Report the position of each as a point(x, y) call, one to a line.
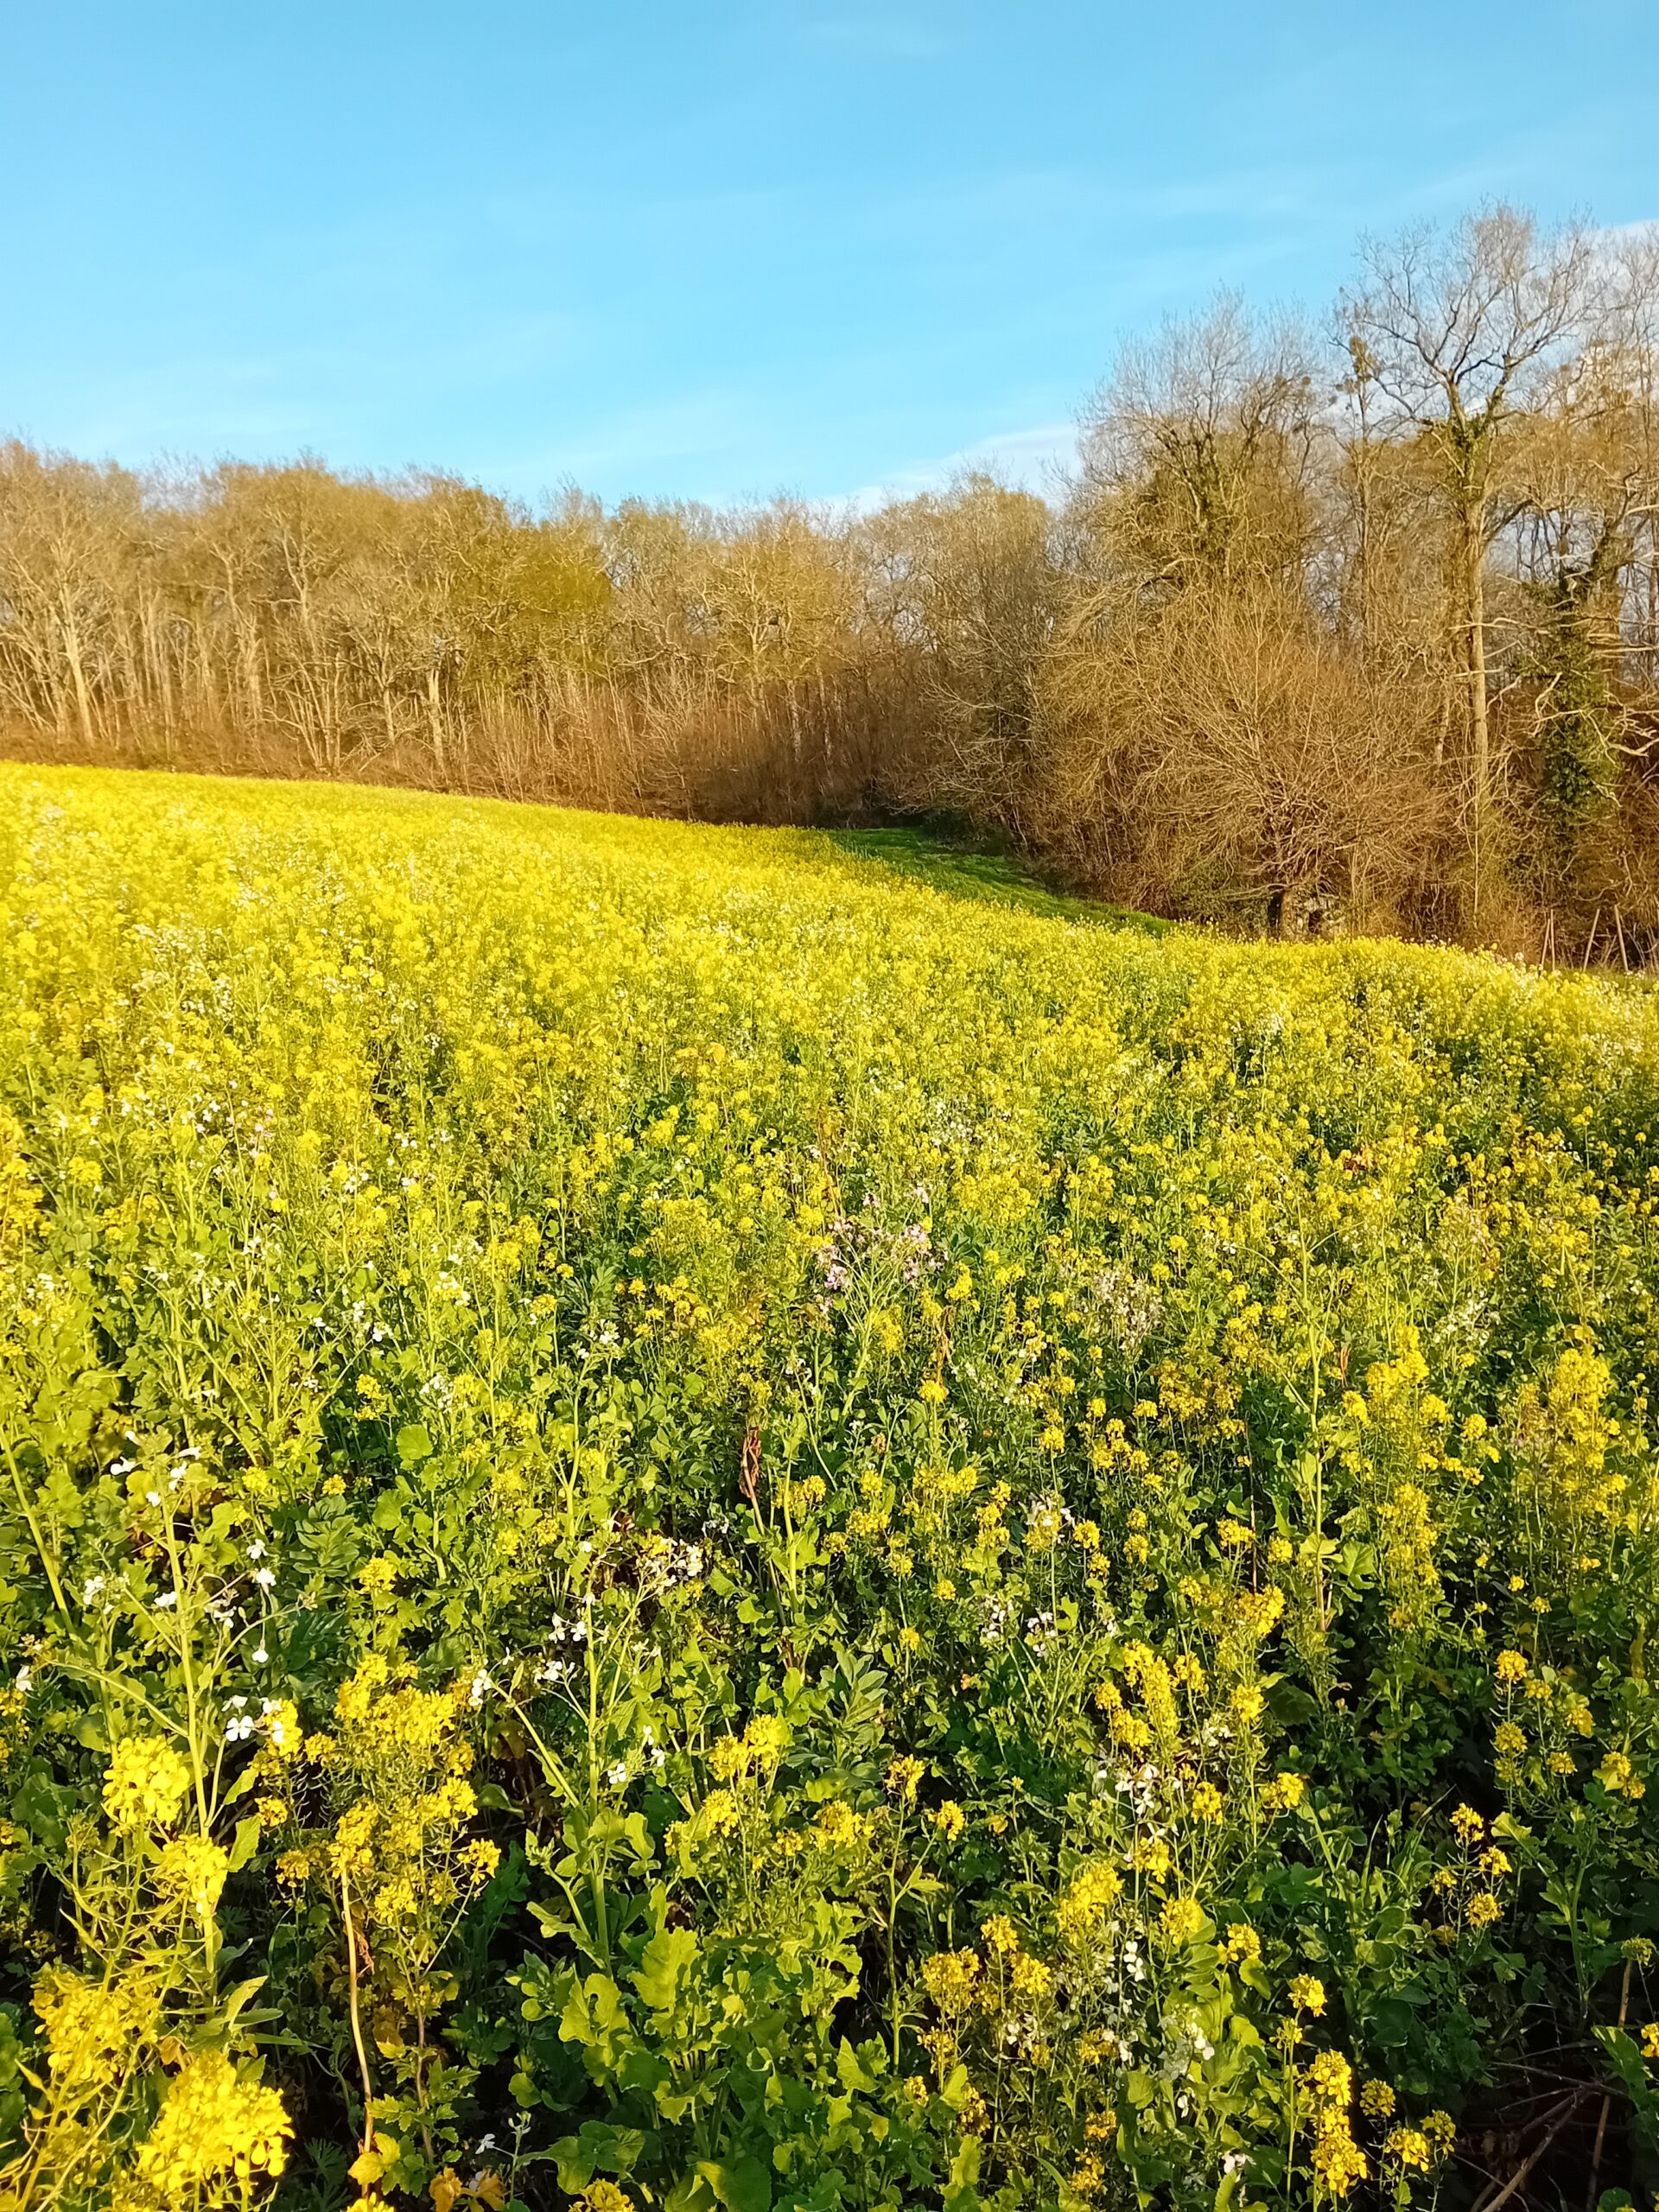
point(596, 2147)
point(574, 2161)
point(662, 1972)
point(594, 2017)
point(691, 2193)
point(1290, 1707)
point(246, 1842)
point(414, 1445)
point(960, 2193)
point(742, 2185)
point(851, 2075)
point(240, 1997)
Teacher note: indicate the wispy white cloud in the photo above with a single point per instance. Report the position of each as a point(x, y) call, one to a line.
point(1037, 459)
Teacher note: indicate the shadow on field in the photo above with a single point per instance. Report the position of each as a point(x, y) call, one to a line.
point(987, 877)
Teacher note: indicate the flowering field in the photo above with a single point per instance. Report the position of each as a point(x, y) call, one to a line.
point(684, 1525)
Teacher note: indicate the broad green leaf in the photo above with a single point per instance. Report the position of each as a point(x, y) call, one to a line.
point(740, 2185)
point(663, 1971)
point(246, 1842)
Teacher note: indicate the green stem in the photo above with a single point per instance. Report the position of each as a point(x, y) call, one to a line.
point(27, 1511)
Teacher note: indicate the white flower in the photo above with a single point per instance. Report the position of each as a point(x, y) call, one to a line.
point(25, 1676)
point(260, 1657)
point(255, 1550)
point(154, 1497)
point(619, 1775)
point(94, 1584)
point(479, 1688)
point(168, 1597)
point(264, 1578)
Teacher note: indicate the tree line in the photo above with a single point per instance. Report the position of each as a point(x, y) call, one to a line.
point(1354, 624)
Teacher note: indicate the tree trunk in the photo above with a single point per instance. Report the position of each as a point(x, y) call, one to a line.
point(1480, 748)
point(434, 717)
point(77, 675)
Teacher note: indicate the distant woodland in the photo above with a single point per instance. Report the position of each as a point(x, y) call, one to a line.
point(1339, 624)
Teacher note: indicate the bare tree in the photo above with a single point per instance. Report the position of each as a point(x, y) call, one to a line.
point(1199, 450)
point(1248, 751)
point(1459, 334)
point(971, 582)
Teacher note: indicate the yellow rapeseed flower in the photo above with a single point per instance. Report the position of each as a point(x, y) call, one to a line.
point(145, 1783)
point(1181, 1918)
point(213, 2127)
point(193, 1870)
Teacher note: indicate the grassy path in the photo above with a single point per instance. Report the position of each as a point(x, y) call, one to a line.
point(962, 874)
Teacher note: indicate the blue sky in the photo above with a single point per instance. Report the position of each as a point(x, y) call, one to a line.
point(725, 249)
